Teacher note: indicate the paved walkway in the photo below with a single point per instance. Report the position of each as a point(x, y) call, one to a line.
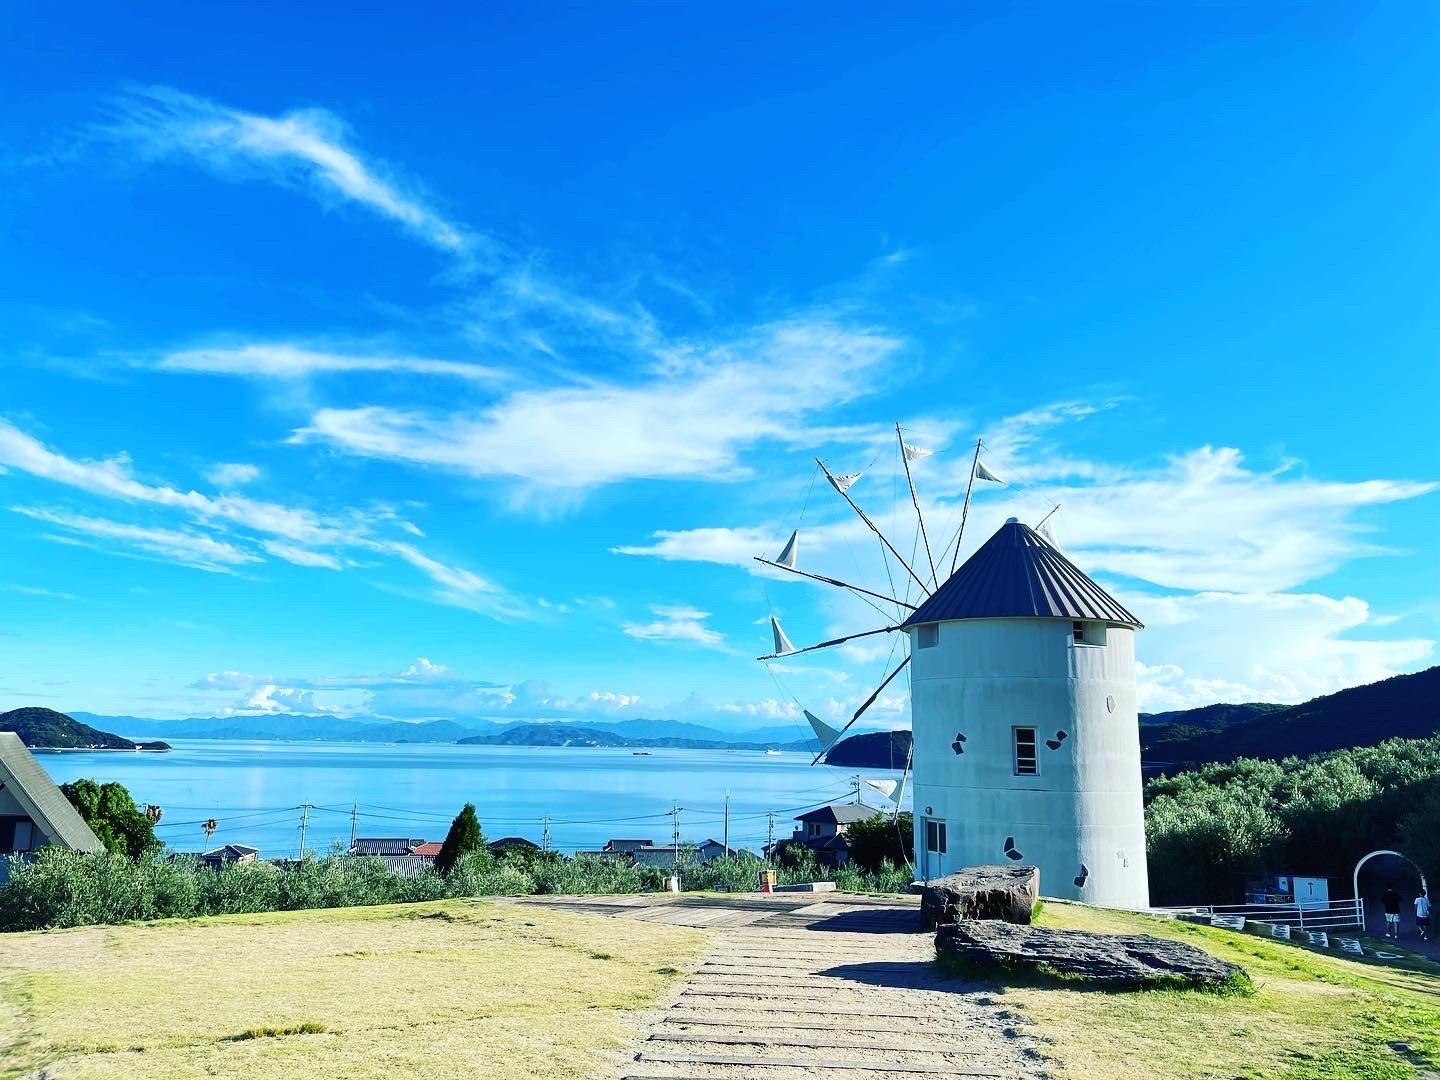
point(801, 986)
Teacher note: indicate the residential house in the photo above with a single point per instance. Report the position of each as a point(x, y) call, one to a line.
point(34, 813)
point(224, 856)
point(385, 845)
point(507, 843)
point(823, 830)
point(649, 853)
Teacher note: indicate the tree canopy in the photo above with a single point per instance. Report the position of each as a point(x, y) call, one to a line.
point(464, 837)
point(112, 816)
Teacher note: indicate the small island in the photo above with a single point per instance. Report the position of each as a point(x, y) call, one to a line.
point(46, 729)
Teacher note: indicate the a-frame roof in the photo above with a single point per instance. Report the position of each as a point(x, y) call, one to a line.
point(1018, 574)
point(42, 801)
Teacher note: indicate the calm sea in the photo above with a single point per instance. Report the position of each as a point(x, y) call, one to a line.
point(255, 791)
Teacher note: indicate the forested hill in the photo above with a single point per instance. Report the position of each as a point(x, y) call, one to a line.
point(1404, 707)
point(575, 735)
point(46, 729)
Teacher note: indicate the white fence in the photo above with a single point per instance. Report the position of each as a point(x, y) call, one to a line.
point(1336, 915)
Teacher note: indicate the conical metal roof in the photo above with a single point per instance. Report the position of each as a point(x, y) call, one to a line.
point(1018, 574)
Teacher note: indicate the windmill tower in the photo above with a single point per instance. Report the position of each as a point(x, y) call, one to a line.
point(1025, 727)
point(1026, 742)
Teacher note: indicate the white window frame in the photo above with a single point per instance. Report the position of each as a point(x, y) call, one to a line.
point(1088, 633)
point(927, 635)
point(935, 835)
point(1034, 756)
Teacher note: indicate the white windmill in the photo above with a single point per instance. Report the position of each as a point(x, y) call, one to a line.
point(1025, 730)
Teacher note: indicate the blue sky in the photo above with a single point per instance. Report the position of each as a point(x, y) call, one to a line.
point(456, 366)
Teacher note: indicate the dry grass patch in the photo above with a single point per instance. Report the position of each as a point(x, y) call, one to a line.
point(445, 988)
point(1312, 1016)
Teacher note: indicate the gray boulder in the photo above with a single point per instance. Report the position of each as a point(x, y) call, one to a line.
point(1123, 960)
point(1007, 893)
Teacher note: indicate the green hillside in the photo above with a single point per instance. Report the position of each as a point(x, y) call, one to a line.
point(46, 729)
point(1403, 707)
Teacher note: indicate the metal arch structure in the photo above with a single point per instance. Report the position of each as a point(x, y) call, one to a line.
point(1399, 855)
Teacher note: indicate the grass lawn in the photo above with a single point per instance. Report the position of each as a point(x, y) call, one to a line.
point(441, 989)
point(1313, 1016)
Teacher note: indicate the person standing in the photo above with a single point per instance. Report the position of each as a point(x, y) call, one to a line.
point(1422, 915)
point(1390, 901)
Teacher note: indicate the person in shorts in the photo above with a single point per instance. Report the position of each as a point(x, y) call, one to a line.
point(1390, 901)
point(1422, 915)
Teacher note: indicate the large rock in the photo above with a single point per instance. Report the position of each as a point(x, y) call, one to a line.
point(1126, 960)
point(1007, 893)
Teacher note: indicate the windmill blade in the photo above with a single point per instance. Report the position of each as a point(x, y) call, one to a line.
point(824, 644)
point(782, 643)
point(885, 787)
point(834, 581)
point(868, 701)
point(823, 731)
point(787, 555)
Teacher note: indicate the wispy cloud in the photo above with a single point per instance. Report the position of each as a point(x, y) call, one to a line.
point(186, 547)
point(310, 148)
point(30, 590)
point(284, 361)
point(297, 535)
point(691, 417)
point(232, 475)
point(678, 623)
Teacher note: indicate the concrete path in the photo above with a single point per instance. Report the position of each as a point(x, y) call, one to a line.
point(800, 986)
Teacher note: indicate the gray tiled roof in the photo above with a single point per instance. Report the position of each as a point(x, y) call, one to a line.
point(43, 801)
point(840, 813)
point(1018, 574)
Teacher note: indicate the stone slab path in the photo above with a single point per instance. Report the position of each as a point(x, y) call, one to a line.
point(803, 985)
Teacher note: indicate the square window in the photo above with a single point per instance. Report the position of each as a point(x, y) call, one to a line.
point(927, 635)
point(1027, 759)
point(1088, 633)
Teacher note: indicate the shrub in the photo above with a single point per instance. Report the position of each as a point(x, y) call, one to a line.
point(112, 816)
point(881, 839)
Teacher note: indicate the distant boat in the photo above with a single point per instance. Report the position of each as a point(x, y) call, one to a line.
point(772, 751)
point(640, 753)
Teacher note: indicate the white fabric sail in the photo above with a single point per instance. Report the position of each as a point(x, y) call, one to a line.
point(1047, 530)
point(823, 731)
point(787, 556)
point(915, 453)
point(782, 643)
point(885, 787)
point(844, 483)
point(982, 473)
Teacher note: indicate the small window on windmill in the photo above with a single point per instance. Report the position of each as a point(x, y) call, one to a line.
point(1027, 760)
point(927, 635)
point(1088, 633)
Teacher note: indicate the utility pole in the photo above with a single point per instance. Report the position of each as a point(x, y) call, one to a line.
point(354, 815)
point(855, 786)
point(545, 834)
point(770, 839)
point(675, 813)
point(726, 834)
point(304, 822)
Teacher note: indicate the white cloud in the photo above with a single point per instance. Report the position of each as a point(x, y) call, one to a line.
point(309, 147)
point(30, 590)
point(300, 556)
point(185, 547)
point(1280, 647)
point(233, 475)
point(678, 623)
point(277, 699)
point(691, 417)
point(286, 532)
point(283, 361)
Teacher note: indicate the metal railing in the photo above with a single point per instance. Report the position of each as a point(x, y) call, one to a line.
point(1335, 915)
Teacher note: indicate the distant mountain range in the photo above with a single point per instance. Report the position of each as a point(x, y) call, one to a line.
point(637, 733)
point(46, 729)
point(1405, 707)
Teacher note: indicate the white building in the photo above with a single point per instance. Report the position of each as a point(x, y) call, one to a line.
point(1027, 746)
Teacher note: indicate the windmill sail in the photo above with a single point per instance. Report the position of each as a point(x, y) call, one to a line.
point(982, 473)
point(915, 453)
point(782, 643)
point(823, 731)
point(787, 556)
point(844, 483)
point(1047, 530)
point(885, 787)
